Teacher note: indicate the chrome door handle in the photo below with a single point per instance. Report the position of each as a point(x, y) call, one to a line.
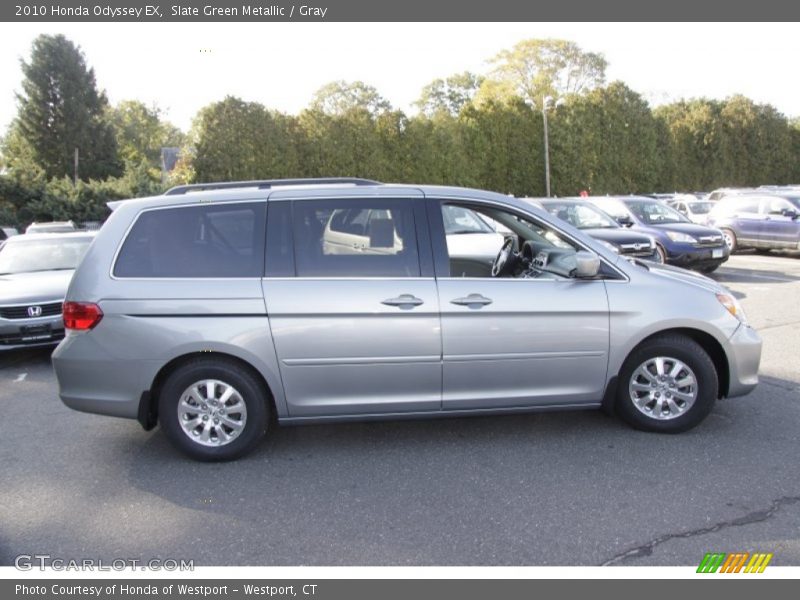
point(403, 300)
point(473, 301)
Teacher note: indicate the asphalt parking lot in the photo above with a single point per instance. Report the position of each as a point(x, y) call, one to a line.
point(547, 489)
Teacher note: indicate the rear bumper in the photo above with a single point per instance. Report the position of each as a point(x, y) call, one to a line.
point(90, 380)
point(744, 358)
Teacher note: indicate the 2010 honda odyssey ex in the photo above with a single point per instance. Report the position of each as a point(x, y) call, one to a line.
point(218, 308)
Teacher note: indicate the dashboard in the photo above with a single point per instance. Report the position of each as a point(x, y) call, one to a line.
point(540, 261)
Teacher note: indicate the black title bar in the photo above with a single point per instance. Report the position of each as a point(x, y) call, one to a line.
point(399, 10)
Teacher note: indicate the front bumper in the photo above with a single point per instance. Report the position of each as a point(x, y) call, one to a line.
point(744, 357)
point(29, 333)
point(688, 256)
point(652, 255)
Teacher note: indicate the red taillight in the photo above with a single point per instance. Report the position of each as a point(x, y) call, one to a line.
point(81, 316)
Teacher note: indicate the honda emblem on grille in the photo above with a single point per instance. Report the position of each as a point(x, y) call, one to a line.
point(34, 311)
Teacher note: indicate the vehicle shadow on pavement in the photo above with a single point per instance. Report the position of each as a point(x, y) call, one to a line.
point(739, 275)
point(26, 357)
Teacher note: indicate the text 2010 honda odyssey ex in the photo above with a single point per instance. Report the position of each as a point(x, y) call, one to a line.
point(215, 307)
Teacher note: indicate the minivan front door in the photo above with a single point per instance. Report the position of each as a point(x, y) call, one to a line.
point(355, 320)
point(509, 342)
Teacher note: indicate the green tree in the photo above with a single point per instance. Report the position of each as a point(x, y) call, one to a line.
point(233, 139)
point(61, 109)
point(794, 151)
point(449, 95)
point(340, 97)
point(536, 68)
point(141, 132)
point(606, 141)
point(340, 145)
point(503, 145)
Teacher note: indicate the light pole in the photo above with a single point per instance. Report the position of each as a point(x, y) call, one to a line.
point(546, 102)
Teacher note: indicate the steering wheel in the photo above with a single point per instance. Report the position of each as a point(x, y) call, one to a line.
point(507, 258)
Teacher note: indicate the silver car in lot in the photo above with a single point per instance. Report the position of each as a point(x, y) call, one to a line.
point(35, 270)
point(219, 311)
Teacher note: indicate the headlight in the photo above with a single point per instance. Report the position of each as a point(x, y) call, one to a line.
point(677, 236)
point(610, 246)
point(732, 305)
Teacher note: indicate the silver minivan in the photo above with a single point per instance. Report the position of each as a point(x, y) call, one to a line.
point(219, 309)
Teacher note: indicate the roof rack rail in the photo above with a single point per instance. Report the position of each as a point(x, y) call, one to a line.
point(264, 184)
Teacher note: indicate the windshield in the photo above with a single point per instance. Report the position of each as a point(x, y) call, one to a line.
point(655, 213)
point(701, 208)
point(794, 200)
point(582, 216)
point(42, 255)
point(458, 219)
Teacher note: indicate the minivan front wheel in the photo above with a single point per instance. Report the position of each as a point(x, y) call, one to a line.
point(213, 409)
point(668, 384)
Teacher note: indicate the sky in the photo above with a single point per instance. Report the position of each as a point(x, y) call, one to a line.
point(181, 67)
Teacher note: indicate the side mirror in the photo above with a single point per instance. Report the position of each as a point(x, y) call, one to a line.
point(788, 212)
point(587, 265)
point(624, 220)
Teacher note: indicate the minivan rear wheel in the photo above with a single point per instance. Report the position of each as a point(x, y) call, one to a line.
point(213, 409)
point(668, 384)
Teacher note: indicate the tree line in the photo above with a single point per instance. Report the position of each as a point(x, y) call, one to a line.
point(469, 130)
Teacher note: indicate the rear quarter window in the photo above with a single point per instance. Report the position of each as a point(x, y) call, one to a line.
point(221, 241)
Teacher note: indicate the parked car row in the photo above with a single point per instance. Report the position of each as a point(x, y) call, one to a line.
point(654, 230)
point(764, 218)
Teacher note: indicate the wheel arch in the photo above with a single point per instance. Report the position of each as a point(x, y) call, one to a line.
point(708, 342)
point(148, 403)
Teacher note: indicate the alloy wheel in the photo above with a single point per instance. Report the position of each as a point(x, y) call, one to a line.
point(212, 412)
point(663, 388)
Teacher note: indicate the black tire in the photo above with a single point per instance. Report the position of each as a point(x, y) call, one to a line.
point(661, 254)
point(251, 390)
point(730, 239)
point(708, 269)
point(691, 354)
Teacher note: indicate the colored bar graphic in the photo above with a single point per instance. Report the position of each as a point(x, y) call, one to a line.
point(758, 563)
point(711, 562)
point(734, 562)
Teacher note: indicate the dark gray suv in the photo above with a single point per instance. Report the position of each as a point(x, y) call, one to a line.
point(760, 220)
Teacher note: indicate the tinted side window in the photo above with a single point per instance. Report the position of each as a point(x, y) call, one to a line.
point(776, 205)
point(196, 241)
point(280, 249)
point(355, 238)
point(749, 205)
